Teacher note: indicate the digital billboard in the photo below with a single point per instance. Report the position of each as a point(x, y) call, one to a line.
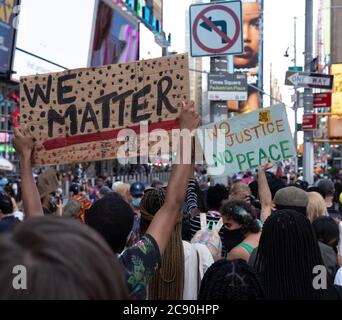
point(7, 32)
point(250, 60)
point(116, 38)
point(335, 122)
point(53, 36)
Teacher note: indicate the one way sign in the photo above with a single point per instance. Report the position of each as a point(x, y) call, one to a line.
point(309, 80)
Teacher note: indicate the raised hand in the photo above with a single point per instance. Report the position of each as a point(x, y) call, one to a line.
point(23, 142)
point(189, 118)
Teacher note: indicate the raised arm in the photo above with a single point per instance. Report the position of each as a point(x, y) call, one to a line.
point(23, 144)
point(264, 191)
point(168, 215)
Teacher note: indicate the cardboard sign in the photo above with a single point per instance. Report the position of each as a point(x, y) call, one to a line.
point(47, 182)
point(244, 142)
point(76, 115)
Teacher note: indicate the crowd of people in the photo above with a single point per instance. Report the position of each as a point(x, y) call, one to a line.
point(261, 238)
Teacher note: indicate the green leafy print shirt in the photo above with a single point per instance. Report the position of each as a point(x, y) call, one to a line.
point(139, 263)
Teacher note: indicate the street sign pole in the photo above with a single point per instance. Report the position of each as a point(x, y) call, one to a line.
point(217, 64)
point(295, 92)
point(308, 154)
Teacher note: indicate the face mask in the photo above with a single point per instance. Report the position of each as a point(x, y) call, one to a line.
point(136, 202)
point(232, 238)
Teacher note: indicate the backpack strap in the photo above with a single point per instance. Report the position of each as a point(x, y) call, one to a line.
point(218, 226)
point(203, 219)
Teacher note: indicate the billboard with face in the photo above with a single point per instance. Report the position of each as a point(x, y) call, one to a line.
point(249, 61)
point(116, 39)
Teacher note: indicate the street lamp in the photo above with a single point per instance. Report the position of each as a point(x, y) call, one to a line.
point(295, 107)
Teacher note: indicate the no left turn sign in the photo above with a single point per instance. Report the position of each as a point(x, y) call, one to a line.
point(216, 29)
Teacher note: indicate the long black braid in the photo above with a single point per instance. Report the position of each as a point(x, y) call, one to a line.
point(231, 280)
point(288, 251)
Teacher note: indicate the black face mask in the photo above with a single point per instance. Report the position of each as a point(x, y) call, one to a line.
point(232, 238)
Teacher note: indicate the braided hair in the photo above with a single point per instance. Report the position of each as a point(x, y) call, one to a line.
point(167, 282)
point(231, 280)
point(287, 253)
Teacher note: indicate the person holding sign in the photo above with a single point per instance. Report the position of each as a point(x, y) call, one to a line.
point(140, 261)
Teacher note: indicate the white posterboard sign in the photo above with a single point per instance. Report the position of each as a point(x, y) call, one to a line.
point(244, 142)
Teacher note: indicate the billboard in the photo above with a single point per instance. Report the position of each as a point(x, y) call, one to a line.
point(7, 32)
point(335, 122)
point(250, 60)
point(58, 39)
point(116, 38)
point(148, 48)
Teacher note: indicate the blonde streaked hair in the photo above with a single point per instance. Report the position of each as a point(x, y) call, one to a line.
point(124, 190)
point(316, 206)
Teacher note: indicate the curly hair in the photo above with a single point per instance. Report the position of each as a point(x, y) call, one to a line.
point(231, 280)
point(240, 212)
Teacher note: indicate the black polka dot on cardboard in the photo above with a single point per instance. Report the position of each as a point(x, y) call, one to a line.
point(113, 111)
point(97, 112)
point(101, 92)
point(127, 67)
point(89, 130)
point(82, 89)
point(31, 112)
point(99, 82)
point(140, 79)
point(120, 80)
point(109, 67)
point(100, 71)
point(80, 74)
point(22, 99)
point(120, 88)
point(113, 126)
point(132, 76)
point(83, 99)
point(90, 82)
point(41, 127)
point(24, 116)
point(126, 114)
point(79, 111)
point(60, 130)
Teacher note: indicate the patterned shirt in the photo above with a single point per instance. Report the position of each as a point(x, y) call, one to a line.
point(139, 263)
point(195, 222)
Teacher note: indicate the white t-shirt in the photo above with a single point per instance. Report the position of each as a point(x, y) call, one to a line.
point(338, 277)
point(195, 265)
